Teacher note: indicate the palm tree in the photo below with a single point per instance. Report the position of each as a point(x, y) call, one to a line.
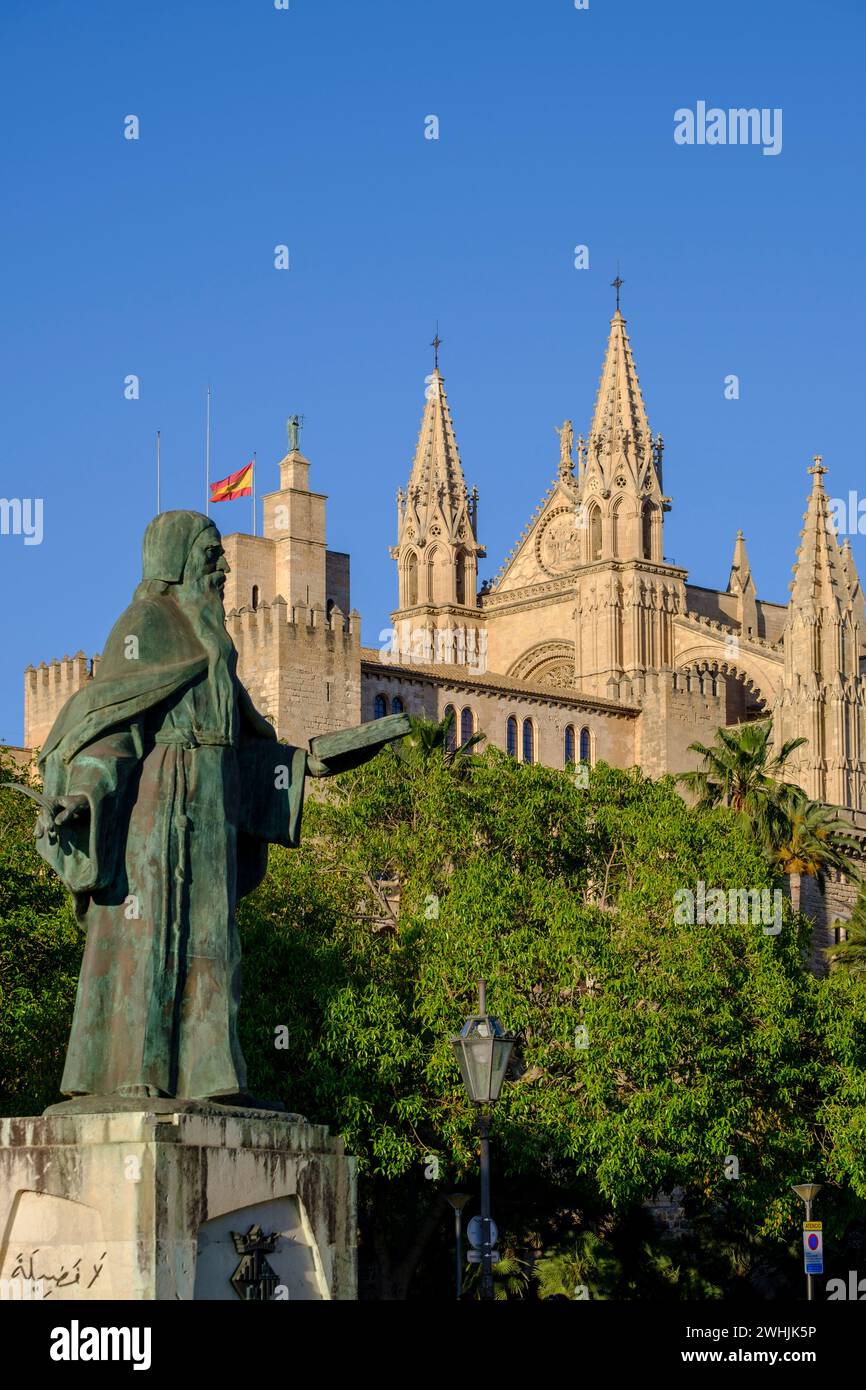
point(741, 771)
point(427, 738)
point(818, 839)
point(511, 1278)
point(850, 954)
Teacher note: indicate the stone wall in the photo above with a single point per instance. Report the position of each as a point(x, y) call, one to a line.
point(822, 909)
point(46, 690)
point(428, 690)
point(302, 669)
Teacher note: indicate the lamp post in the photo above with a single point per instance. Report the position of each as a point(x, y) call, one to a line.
point(807, 1192)
point(458, 1201)
point(483, 1051)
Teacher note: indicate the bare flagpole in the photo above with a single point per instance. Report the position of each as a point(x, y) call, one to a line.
point(158, 506)
point(207, 459)
point(254, 492)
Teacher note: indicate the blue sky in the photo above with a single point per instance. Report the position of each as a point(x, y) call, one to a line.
point(306, 127)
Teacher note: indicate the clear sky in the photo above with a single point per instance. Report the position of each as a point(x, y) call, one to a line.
point(306, 127)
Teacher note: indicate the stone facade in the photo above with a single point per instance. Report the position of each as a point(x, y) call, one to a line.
point(588, 629)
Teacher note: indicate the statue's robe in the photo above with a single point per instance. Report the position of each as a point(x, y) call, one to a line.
point(180, 820)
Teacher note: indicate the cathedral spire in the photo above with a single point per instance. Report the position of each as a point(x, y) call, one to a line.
point(619, 407)
point(819, 581)
point(437, 545)
point(620, 482)
point(819, 697)
point(436, 483)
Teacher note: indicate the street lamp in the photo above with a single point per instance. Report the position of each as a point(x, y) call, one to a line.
point(483, 1051)
point(458, 1201)
point(807, 1192)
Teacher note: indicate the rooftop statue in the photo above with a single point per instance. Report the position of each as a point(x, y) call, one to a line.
point(163, 787)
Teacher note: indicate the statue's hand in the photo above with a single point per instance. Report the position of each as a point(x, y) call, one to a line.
point(67, 808)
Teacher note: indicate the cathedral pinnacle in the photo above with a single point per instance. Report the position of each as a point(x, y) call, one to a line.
point(436, 345)
point(819, 573)
point(617, 285)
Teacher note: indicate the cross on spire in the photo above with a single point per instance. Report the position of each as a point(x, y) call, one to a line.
point(435, 345)
point(818, 464)
point(617, 285)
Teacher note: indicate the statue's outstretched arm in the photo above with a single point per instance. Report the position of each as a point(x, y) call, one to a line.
point(333, 753)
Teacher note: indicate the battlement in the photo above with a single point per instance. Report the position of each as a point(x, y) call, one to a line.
point(47, 687)
point(681, 687)
point(267, 621)
point(273, 641)
point(301, 665)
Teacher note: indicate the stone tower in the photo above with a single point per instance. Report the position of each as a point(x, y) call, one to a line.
point(821, 696)
point(437, 550)
point(627, 594)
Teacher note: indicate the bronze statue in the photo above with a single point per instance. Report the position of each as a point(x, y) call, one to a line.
point(293, 428)
point(163, 787)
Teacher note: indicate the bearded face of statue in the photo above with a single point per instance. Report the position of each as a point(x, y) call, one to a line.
point(206, 565)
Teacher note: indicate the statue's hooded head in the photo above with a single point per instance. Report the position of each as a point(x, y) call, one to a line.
point(182, 556)
point(175, 545)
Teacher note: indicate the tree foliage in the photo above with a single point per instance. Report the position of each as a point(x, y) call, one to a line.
point(701, 1042)
point(40, 953)
point(653, 1051)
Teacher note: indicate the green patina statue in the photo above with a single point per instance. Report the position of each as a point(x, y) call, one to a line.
point(163, 788)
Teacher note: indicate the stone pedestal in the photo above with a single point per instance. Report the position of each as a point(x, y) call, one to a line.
point(176, 1205)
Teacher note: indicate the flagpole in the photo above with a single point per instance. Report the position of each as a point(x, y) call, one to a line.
point(207, 459)
point(254, 492)
point(158, 506)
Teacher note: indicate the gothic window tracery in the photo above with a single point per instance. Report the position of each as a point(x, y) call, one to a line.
point(528, 741)
point(569, 744)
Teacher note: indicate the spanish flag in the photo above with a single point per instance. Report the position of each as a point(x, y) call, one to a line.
point(238, 484)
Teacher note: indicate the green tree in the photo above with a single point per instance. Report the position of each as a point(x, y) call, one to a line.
point(741, 771)
point(700, 1042)
point(40, 952)
point(814, 839)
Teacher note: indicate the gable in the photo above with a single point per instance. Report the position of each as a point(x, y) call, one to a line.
point(549, 547)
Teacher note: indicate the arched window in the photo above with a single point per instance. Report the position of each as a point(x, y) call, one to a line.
point(569, 744)
point(451, 736)
point(616, 529)
point(460, 577)
point(380, 706)
point(397, 705)
point(411, 579)
point(585, 746)
point(433, 579)
point(528, 741)
point(511, 737)
point(595, 534)
point(467, 725)
point(648, 531)
point(255, 599)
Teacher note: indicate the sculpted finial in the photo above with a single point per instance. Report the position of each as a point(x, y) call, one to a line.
point(566, 444)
